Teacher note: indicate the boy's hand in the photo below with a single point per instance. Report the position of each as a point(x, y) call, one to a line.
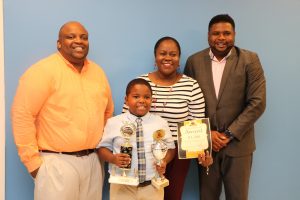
point(205, 159)
point(121, 159)
point(161, 169)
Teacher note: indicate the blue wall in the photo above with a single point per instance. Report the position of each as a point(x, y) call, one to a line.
point(122, 36)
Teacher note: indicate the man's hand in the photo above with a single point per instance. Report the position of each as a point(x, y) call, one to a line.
point(219, 140)
point(34, 173)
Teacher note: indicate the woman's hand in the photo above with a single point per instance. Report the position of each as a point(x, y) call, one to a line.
point(205, 159)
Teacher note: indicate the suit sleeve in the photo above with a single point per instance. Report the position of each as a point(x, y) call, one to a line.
point(188, 68)
point(255, 98)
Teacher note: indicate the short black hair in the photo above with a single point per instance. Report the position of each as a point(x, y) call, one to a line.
point(221, 18)
point(137, 81)
point(166, 38)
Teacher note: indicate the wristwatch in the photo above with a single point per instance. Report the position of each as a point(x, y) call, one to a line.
point(229, 134)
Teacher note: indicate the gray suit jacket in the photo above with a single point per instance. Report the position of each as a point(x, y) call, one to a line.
point(242, 96)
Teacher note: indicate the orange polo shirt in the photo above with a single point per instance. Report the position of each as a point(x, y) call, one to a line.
point(59, 109)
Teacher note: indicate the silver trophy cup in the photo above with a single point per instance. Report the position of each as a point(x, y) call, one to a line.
point(159, 151)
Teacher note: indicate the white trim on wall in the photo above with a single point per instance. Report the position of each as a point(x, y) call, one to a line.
point(2, 108)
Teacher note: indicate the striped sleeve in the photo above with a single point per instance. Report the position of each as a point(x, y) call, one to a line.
point(197, 102)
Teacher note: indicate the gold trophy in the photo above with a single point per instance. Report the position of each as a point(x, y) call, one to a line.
point(127, 130)
point(159, 151)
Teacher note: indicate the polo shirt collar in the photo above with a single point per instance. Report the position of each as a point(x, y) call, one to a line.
point(85, 64)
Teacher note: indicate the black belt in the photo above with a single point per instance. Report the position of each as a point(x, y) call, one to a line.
point(81, 153)
point(145, 183)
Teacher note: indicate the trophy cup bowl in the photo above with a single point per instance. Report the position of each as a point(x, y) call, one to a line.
point(159, 151)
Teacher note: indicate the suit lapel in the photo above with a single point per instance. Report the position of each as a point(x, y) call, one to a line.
point(209, 77)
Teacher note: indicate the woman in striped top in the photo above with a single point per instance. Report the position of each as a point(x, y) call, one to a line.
point(178, 102)
point(176, 98)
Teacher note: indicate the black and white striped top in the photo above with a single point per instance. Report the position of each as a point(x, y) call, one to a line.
point(180, 102)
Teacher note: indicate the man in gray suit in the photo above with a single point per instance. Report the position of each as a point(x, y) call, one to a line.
point(234, 87)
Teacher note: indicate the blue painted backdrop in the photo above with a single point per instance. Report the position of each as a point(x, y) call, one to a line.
point(122, 36)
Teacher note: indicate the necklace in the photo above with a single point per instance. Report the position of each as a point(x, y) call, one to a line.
point(162, 90)
point(164, 100)
point(161, 96)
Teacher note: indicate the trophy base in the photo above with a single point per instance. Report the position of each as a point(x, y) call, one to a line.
point(159, 183)
point(124, 180)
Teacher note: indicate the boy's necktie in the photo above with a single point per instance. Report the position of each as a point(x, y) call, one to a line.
point(140, 151)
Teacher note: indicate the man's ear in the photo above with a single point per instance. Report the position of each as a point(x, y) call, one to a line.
point(58, 44)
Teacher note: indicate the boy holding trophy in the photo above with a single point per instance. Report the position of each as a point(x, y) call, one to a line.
point(138, 145)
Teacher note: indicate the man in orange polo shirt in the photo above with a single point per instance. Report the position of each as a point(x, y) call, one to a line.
point(58, 114)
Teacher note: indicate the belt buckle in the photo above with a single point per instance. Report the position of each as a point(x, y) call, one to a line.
point(82, 153)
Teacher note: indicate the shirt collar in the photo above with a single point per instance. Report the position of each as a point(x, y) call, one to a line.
point(85, 64)
point(212, 56)
point(132, 117)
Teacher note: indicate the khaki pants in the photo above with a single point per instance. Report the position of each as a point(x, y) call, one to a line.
point(119, 192)
point(67, 177)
